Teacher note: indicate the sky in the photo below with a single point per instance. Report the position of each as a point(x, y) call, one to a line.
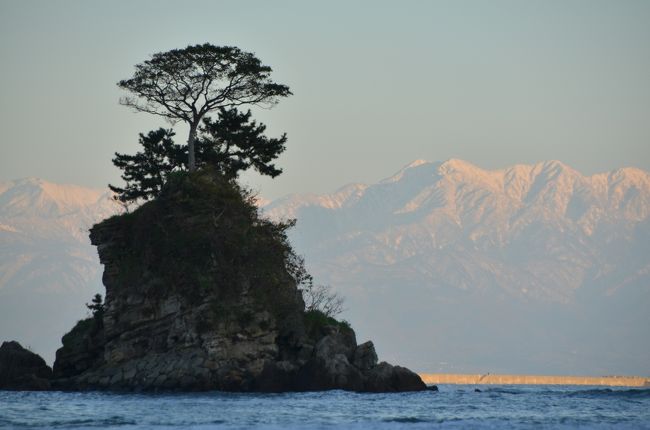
point(376, 84)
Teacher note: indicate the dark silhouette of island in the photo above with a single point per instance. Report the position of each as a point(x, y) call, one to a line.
point(202, 293)
point(200, 296)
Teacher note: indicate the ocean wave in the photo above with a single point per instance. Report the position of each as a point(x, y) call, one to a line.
point(609, 392)
point(404, 420)
point(70, 423)
point(521, 408)
point(500, 390)
point(587, 392)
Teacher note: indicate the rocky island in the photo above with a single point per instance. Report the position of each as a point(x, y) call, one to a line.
point(200, 295)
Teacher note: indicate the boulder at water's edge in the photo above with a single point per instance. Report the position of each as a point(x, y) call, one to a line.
point(21, 369)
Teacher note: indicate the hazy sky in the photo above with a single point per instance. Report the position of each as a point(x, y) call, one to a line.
point(376, 84)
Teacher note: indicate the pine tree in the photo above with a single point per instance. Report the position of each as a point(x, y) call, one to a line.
point(230, 144)
point(233, 143)
point(187, 84)
point(147, 171)
point(97, 307)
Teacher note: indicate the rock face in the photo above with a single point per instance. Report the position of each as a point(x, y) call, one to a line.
point(199, 297)
point(21, 369)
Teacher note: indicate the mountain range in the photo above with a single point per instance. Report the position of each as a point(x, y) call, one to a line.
point(447, 266)
point(531, 268)
point(530, 231)
point(48, 269)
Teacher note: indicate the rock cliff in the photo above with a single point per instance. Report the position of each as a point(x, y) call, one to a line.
point(200, 296)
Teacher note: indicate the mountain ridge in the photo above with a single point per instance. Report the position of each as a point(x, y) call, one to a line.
point(512, 181)
point(533, 241)
point(541, 243)
point(549, 190)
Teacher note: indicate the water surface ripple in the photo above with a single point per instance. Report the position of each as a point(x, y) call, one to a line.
point(453, 407)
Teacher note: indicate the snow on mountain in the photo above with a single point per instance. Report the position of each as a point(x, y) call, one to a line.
point(549, 209)
point(450, 267)
point(48, 269)
point(450, 234)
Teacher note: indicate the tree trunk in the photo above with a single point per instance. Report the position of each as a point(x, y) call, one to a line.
point(191, 158)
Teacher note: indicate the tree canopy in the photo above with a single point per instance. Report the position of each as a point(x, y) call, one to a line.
point(187, 84)
point(230, 144)
point(147, 171)
point(96, 306)
point(235, 143)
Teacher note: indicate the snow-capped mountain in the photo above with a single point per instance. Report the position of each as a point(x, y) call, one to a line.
point(458, 241)
point(449, 267)
point(48, 269)
point(539, 231)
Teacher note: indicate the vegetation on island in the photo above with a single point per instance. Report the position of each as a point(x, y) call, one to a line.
point(230, 144)
point(87, 327)
point(203, 291)
point(96, 306)
point(190, 85)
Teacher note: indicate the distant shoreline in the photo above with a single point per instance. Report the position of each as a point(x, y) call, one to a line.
point(494, 379)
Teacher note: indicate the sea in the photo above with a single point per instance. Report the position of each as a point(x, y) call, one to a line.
point(452, 407)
